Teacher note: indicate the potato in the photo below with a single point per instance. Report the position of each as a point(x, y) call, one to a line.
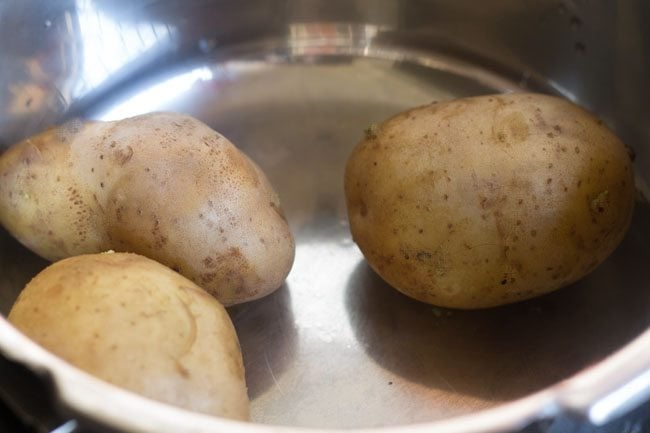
point(488, 200)
point(136, 324)
point(163, 185)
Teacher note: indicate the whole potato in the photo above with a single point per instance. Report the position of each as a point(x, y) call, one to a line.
point(488, 200)
point(137, 324)
point(163, 185)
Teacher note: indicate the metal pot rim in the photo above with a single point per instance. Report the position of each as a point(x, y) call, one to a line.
point(598, 394)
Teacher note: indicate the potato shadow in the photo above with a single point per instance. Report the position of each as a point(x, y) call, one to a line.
point(267, 336)
point(507, 352)
point(18, 266)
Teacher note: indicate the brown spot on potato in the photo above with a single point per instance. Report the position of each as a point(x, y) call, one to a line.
point(230, 269)
point(511, 129)
point(182, 370)
point(423, 256)
point(363, 208)
point(123, 155)
point(599, 203)
point(118, 213)
point(208, 277)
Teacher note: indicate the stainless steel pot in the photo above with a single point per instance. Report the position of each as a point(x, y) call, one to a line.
point(294, 83)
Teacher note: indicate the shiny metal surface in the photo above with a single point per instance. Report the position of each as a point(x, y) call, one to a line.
point(294, 84)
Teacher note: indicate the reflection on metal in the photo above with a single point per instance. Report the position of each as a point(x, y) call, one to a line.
point(158, 95)
point(68, 427)
point(306, 39)
point(619, 402)
point(317, 303)
point(109, 45)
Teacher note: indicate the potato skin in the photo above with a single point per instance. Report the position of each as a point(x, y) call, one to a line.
point(137, 324)
point(489, 200)
point(163, 185)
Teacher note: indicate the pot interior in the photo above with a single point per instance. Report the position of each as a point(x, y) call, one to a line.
point(335, 346)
